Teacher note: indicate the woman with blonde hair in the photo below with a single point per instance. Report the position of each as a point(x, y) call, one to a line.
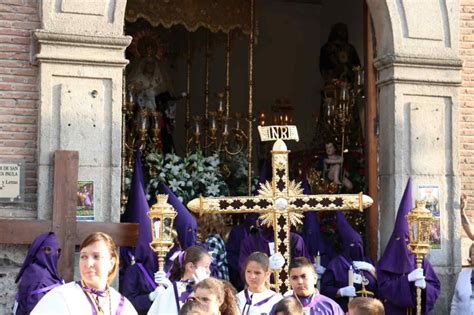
point(98, 265)
point(217, 296)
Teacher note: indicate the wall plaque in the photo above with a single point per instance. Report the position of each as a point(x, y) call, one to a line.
point(12, 181)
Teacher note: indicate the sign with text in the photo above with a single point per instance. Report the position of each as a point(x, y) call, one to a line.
point(12, 181)
point(273, 133)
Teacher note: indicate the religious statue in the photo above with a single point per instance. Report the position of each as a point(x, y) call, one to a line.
point(337, 57)
point(149, 82)
point(333, 166)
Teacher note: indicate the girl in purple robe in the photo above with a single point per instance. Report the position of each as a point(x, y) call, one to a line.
point(189, 267)
point(39, 273)
point(257, 298)
point(335, 280)
point(397, 275)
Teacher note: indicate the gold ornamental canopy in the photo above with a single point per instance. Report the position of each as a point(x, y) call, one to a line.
point(215, 15)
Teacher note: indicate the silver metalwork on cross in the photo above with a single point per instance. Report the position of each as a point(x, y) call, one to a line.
point(280, 203)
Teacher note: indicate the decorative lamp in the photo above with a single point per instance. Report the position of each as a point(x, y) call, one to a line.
point(161, 215)
point(420, 221)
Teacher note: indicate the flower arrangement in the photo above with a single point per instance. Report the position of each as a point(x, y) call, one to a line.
point(187, 177)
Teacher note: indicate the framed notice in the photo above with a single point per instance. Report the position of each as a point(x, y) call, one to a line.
point(430, 194)
point(12, 181)
point(85, 201)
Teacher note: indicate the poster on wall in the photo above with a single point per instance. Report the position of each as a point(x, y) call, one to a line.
point(85, 201)
point(430, 194)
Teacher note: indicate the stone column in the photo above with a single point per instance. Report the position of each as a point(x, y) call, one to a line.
point(81, 56)
point(418, 81)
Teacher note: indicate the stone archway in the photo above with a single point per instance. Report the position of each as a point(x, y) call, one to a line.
point(418, 70)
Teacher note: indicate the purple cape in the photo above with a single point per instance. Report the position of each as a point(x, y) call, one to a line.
point(258, 242)
point(39, 270)
point(131, 215)
point(144, 255)
point(136, 287)
point(185, 222)
point(398, 295)
point(395, 291)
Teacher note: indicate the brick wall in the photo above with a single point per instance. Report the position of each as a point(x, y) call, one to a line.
point(19, 96)
point(466, 103)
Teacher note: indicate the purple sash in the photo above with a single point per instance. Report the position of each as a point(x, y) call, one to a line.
point(147, 276)
point(315, 299)
point(248, 301)
point(94, 304)
point(45, 289)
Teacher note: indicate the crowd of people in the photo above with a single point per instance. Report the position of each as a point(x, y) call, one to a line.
point(200, 279)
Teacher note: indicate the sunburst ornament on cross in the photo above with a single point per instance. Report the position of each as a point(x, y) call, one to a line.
point(280, 203)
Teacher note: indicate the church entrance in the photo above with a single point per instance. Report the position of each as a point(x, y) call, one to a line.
point(187, 95)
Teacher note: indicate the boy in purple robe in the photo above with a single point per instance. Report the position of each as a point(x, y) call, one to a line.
point(302, 281)
point(138, 282)
point(39, 273)
point(335, 281)
point(397, 274)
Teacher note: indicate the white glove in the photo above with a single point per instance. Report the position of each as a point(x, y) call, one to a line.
point(421, 283)
point(276, 261)
point(348, 291)
point(161, 279)
point(153, 294)
point(416, 274)
point(363, 265)
point(319, 269)
point(200, 274)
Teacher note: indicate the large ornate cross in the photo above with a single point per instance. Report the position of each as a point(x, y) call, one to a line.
point(280, 203)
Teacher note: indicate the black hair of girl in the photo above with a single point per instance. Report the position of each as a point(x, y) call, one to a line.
point(193, 254)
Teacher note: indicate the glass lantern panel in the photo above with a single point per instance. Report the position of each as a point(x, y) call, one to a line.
point(168, 226)
point(157, 227)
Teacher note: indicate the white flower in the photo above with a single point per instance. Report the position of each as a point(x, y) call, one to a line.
point(175, 169)
point(174, 184)
point(212, 190)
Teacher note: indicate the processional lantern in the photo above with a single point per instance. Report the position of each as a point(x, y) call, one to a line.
point(162, 215)
point(420, 221)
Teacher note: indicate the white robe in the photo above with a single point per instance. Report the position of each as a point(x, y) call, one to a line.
point(462, 302)
point(69, 299)
point(165, 302)
point(256, 298)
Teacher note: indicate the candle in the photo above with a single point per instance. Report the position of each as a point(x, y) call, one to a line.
point(350, 278)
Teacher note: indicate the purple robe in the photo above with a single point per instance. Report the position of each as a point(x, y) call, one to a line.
point(317, 304)
point(314, 241)
point(131, 215)
point(336, 277)
point(258, 242)
point(39, 273)
point(336, 274)
point(137, 280)
point(398, 294)
point(395, 291)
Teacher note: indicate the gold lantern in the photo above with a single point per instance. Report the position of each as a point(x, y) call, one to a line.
point(420, 221)
point(162, 215)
